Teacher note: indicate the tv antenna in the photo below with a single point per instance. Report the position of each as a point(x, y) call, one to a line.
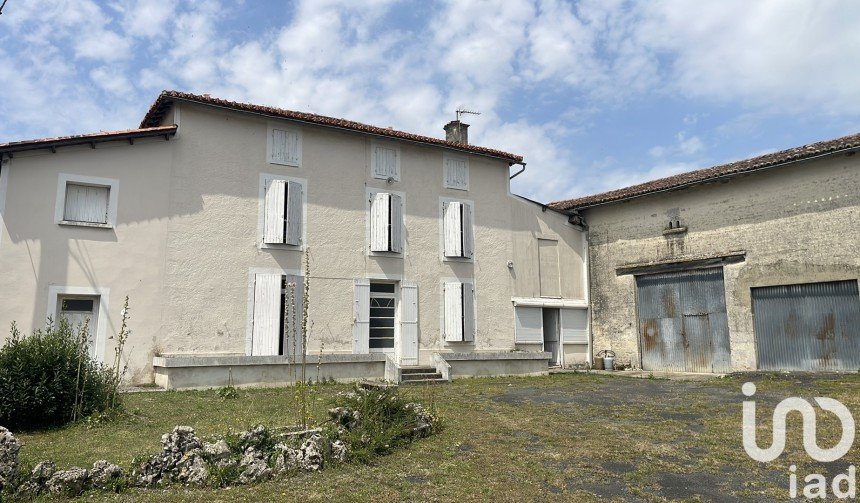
point(461, 111)
point(1, 6)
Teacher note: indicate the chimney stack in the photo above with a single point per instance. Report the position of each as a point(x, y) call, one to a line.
point(457, 132)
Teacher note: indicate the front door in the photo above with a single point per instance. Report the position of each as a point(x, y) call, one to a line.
point(551, 333)
point(77, 311)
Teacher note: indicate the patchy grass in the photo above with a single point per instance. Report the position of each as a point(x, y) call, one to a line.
point(570, 437)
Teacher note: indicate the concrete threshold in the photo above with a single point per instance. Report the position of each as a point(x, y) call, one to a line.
point(645, 374)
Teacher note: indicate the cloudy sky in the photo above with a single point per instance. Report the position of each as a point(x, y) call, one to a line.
point(596, 94)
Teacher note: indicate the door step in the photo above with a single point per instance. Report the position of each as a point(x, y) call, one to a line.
point(420, 375)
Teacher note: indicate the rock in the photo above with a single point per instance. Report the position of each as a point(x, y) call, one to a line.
point(217, 451)
point(254, 467)
point(191, 469)
point(344, 416)
point(338, 451)
point(9, 447)
point(256, 437)
point(156, 468)
point(43, 471)
point(424, 421)
point(70, 483)
point(105, 474)
point(286, 458)
point(310, 456)
point(181, 440)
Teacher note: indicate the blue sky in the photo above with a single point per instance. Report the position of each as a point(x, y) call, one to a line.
point(596, 94)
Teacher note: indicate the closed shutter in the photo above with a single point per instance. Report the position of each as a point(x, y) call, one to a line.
point(396, 223)
point(293, 343)
point(456, 174)
point(574, 326)
point(468, 233)
point(285, 147)
point(379, 221)
point(267, 314)
point(452, 227)
point(361, 313)
point(276, 193)
point(86, 203)
point(529, 325)
point(453, 294)
point(385, 163)
point(548, 263)
point(409, 322)
point(294, 214)
point(468, 312)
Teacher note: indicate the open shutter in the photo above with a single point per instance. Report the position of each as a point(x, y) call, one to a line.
point(529, 325)
point(276, 193)
point(468, 232)
point(267, 314)
point(293, 343)
point(468, 312)
point(361, 313)
point(409, 322)
point(294, 214)
point(396, 227)
point(453, 293)
point(452, 227)
point(574, 326)
point(379, 221)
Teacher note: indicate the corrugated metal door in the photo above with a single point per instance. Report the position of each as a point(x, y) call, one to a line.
point(808, 327)
point(682, 321)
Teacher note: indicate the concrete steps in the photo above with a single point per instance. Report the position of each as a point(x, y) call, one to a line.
point(420, 375)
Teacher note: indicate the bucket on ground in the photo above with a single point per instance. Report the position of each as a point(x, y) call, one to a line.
point(608, 357)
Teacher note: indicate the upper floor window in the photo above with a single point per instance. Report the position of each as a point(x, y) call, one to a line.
point(458, 236)
point(283, 202)
point(456, 172)
point(385, 160)
point(87, 201)
point(284, 146)
point(386, 222)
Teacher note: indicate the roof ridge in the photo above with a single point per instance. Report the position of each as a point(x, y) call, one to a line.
point(156, 113)
point(714, 172)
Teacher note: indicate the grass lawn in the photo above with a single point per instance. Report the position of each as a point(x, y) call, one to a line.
point(568, 437)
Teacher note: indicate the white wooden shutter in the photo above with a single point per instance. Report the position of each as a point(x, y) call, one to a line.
point(396, 223)
point(409, 322)
point(285, 147)
point(529, 325)
point(293, 331)
point(574, 326)
point(276, 192)
point(267, 314)
point(361, 313)
point(468, 312)
point(86, 203)
point(294, 214)
point(453, 294)
point(452, 227)
point(468, 232)
point(379, 221)
point(385, 163)
point(456, 174)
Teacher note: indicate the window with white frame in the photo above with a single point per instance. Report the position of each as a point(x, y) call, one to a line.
point(458, 236)
point(277, 299)
point(283, 210)
point(385, 160)
point(284, 146)
point(459, 312)
point(386, 222)
point(456, 172)
point(87, 201)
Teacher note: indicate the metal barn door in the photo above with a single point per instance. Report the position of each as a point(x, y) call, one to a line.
point(682, 321)
point(808, 327)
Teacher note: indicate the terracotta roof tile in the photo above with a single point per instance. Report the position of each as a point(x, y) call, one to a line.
point(158, 109)
point(80, 139)
point(708, 174)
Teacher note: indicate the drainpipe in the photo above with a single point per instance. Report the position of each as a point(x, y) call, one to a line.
point(518, 173)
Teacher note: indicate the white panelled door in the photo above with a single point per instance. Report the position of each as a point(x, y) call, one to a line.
point(409, 323)
point(361, 313)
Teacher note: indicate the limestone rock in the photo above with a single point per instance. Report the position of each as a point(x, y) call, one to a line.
point(338, 451)
point(191, 469)
point(310, 456)
point(43, 471)
point(9, 447)
point(286, 458)
point(216, 451)
point(104, 474)
point(182, 439)
point(344, 416)
point(71, 482)
point(254, 467)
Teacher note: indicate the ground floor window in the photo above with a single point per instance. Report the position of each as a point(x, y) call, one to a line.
point(383, 310)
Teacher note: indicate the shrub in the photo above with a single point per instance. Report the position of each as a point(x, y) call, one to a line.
point(49, 379)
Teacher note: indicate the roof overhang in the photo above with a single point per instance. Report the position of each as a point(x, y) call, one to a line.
point(52, 144)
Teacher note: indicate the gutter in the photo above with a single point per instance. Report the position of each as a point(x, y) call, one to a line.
point(518, 173)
